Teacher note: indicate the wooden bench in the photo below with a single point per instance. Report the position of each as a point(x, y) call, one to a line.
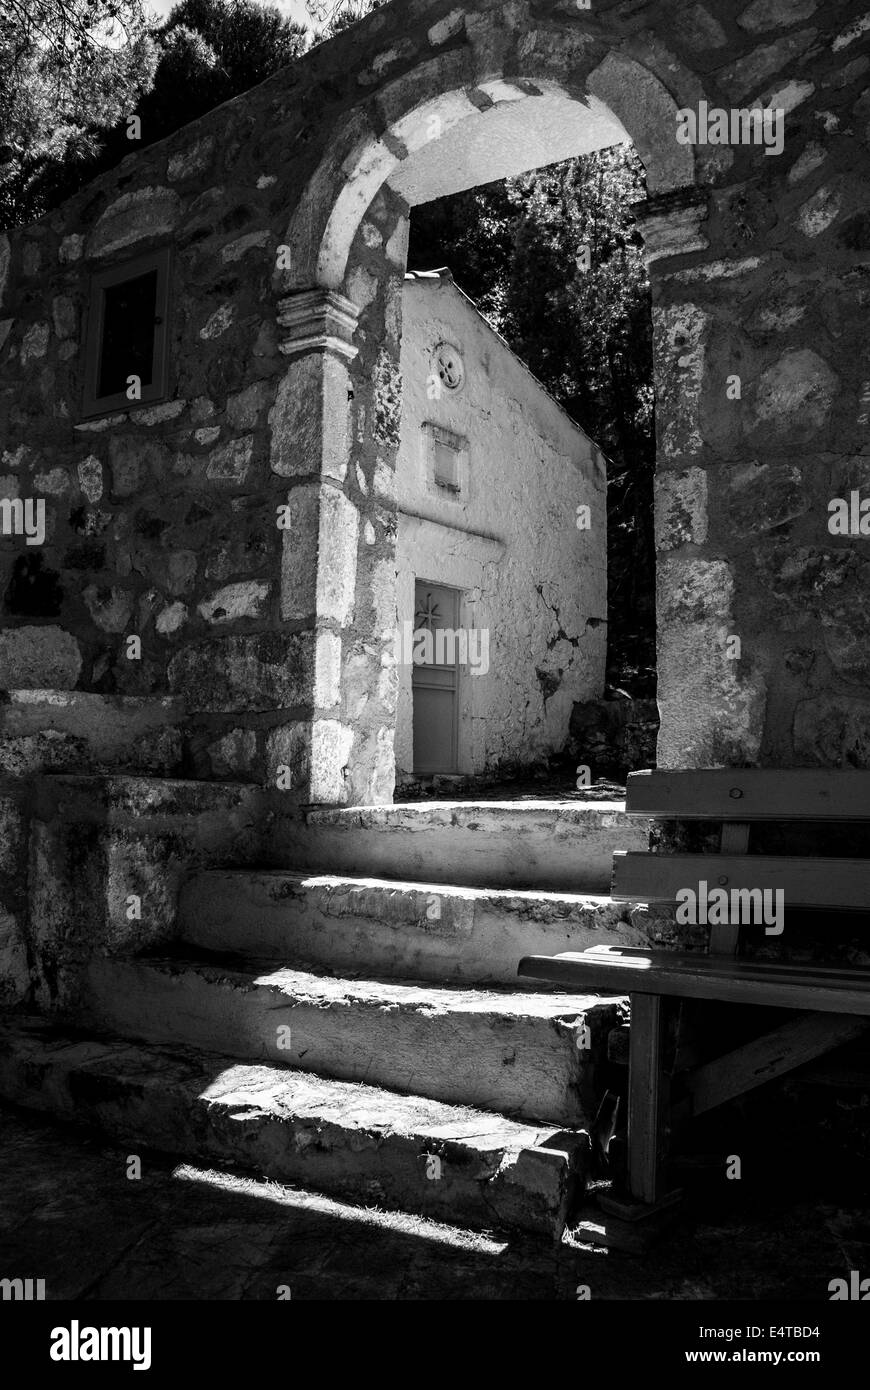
point(834, 1000)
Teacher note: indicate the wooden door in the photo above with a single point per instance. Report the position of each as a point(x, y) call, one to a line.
point(435, 683)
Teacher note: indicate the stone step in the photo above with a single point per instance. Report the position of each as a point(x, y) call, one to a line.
point(403, 930)
point(523, 1054)
point(347, 1140)
point(554, 845)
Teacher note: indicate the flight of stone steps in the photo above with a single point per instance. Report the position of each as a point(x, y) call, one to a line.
point(364, 1036)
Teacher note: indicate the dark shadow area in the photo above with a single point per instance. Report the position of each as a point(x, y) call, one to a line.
point(70, 1215)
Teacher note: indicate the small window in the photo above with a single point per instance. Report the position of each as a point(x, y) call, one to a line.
point(446, 463)
point(126, 336)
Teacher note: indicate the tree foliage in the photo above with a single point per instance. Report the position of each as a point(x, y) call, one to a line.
point(68, 68)
point(332, 16)
point(222, 47)
point(71, 123)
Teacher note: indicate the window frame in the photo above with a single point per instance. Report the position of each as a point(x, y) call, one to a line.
point(100, 282)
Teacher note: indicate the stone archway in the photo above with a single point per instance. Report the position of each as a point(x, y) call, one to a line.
point(760, 411)
point(467, 117)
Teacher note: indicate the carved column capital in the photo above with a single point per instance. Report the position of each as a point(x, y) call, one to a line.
point(670, 223)
point(318, 319)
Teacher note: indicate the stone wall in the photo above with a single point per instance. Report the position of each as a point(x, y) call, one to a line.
point(93, 866)
point(284, 386)
point(160, 521)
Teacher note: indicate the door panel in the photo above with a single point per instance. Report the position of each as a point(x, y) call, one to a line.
point(435, 683)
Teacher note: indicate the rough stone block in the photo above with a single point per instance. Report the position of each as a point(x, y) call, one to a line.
point(34, 342)
point(260, 671)
point(402, 930)
point(833, 731)
point(309, 420)
point(110, 608)
point(191, 160)
point(820, 210)
point(146, 212)
point(680, 509)
point(353, 1141)
point(760, 496)
point(337, 561)
point(796, 392)
point(694, 590)
point(97, 841)
point(775, 14)
point(39, 658)
point(514, 1052)
point(246, 599)
point(680, 331)
point(299, 551)
point(748, 73)
point(316, 753)
point(77, 731)
point(235, 754)
point(327, 670)
point(230, 462)
point(218, 322)
point(710, 715)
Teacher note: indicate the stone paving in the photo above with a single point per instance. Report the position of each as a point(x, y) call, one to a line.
point(69, 1214)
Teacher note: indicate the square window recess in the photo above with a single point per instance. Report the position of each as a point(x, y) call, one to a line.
point(446, 457)
point(127, 334)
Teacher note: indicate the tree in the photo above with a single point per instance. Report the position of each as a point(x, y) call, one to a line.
point(67, 68)
point(206, 52)
point(248, 43)
point(335, 15)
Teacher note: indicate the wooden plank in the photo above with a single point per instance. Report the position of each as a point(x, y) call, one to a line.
point(751, 793)
point(796, 1042)
point(644, 1097)
point(798, 969)
point(838, 884)
point(699, 976)
point(725, 938)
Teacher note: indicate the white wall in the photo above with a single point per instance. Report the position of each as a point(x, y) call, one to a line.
point(510, 534)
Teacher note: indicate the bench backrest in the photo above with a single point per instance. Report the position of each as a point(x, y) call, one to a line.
point(736, 798)
point(747, 794)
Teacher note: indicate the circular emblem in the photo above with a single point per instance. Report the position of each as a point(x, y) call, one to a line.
point(449, 366)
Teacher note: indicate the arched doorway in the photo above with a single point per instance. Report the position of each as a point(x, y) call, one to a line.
point(469, 116)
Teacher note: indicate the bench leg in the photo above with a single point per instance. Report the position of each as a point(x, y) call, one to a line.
point(644, 1097)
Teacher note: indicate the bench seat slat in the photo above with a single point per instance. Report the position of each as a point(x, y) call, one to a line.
point(842, 884)
point(781, 794)
point(696, 976)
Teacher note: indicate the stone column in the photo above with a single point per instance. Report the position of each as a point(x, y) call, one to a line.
point(309, 447)
point(711, 704)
